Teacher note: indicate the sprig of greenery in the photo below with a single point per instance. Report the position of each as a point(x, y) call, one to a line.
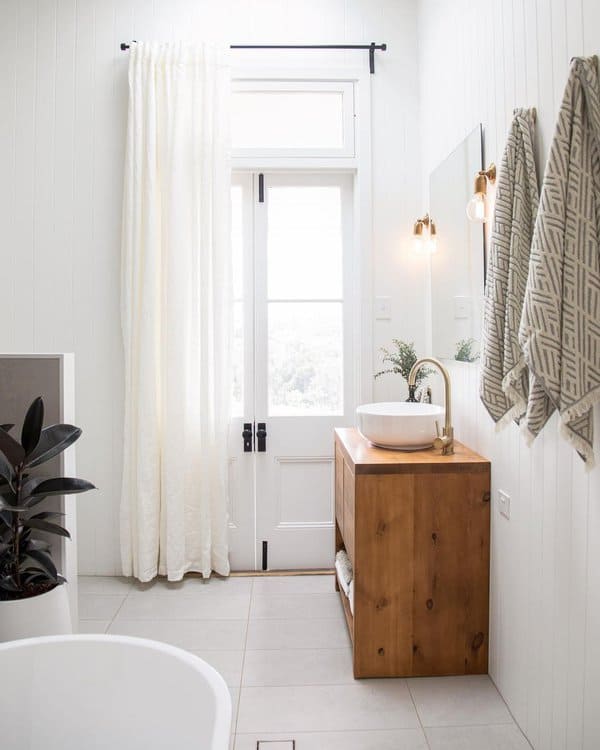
point(464, 351)
point(402, 360)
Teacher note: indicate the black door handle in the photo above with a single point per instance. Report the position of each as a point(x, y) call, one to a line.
point(247, 437)
point(261, 437)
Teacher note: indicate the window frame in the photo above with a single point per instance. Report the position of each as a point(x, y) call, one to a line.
point(360, 166)
point(303, 85)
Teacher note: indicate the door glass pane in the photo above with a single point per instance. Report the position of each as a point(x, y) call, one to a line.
point(304, 242)
point(287, 119)
point(305, 358)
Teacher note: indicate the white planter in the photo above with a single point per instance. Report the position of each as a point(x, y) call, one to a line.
point(46, 614)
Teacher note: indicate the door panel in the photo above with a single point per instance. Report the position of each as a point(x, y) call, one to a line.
point(294, 368)
point(303, 361)
point(241, 465)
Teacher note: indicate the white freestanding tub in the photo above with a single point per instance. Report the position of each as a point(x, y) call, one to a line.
point(92, 692)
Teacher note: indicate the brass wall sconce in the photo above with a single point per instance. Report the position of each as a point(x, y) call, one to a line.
point(425, 235)
point(477, 207)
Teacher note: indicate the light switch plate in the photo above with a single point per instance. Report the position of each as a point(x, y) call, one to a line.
point(504, 503)
point(383, 308)
point(462, 308)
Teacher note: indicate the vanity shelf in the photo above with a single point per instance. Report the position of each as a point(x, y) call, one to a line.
point(416, 528)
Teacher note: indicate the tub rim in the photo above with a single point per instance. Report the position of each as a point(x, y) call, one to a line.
point(223, 713)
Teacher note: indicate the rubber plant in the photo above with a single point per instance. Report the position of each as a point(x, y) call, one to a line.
point(26, 566)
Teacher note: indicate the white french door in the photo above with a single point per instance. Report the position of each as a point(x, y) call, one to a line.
point(294, 364)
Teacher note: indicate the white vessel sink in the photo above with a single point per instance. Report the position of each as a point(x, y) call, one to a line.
point(400, 425)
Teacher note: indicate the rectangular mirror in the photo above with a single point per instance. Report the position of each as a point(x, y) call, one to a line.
point(458, 265)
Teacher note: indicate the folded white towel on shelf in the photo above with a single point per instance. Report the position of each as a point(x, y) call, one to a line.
point(341, 580)
point(343, 568)
point(345, 565)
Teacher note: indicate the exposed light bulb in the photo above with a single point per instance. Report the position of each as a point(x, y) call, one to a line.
point(432, 244)
point(418, 243)
point(476, 208)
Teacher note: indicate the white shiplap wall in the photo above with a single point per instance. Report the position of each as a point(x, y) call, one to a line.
point(477, 62)
point(62, 122)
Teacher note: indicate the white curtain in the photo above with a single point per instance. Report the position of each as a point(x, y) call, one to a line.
point(176, 292)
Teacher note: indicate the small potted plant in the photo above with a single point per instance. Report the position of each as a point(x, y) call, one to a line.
point(465, 351)
point(33, 600)
point(401, 361)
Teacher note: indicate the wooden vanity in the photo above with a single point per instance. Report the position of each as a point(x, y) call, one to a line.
point(416, 529)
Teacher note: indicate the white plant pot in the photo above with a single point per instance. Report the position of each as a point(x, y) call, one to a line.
point(45, 614)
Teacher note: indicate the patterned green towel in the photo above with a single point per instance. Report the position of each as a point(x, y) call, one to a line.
point(503, 385)
point(560, 326)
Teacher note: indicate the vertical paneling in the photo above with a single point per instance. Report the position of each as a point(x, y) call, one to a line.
point(545, 596)
point(8, 136)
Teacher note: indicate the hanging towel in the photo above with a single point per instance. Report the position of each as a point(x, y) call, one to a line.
point(503, 385)
point(560, 326)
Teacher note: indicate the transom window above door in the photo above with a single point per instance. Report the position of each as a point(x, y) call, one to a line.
point(292, 118)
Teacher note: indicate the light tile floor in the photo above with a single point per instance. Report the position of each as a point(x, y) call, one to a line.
point(282, 646)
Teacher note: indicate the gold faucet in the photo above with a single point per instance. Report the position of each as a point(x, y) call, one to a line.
point(446, 441)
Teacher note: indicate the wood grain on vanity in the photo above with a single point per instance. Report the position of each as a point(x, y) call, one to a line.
point(416, 528)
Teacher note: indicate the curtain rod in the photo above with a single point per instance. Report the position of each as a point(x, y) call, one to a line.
point(372, 47)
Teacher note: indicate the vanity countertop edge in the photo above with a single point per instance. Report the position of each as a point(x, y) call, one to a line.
point(366, 458)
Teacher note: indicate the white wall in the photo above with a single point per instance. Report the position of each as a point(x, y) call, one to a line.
point(62, 122)
point(477, 62)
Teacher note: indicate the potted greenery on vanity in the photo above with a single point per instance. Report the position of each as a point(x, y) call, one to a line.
point(401, 361)
point(33, 600)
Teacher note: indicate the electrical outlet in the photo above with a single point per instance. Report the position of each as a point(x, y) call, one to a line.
point(504, 503)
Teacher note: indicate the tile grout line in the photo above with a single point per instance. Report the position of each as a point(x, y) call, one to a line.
point(114, 617)
point(412, 698)
point(239, 702)
point(515, 722)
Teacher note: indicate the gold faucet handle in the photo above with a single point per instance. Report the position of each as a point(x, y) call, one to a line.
point(437, 428)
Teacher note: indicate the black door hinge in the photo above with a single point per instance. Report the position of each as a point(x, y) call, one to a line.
point(261, 188)
point(265, 556)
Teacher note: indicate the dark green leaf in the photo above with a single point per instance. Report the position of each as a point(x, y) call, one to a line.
point(53, 441)
point(4, 505)
point(6, 469)
point(11, 449)
point(51, 528)
point(8, 584)
point(30, 485)
point(6, 427)
point(36, 575)
point(32, 425)
point(37, 544)
point(48, 514)
point(62, 486)
point(34, 500)
point(44, 560)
